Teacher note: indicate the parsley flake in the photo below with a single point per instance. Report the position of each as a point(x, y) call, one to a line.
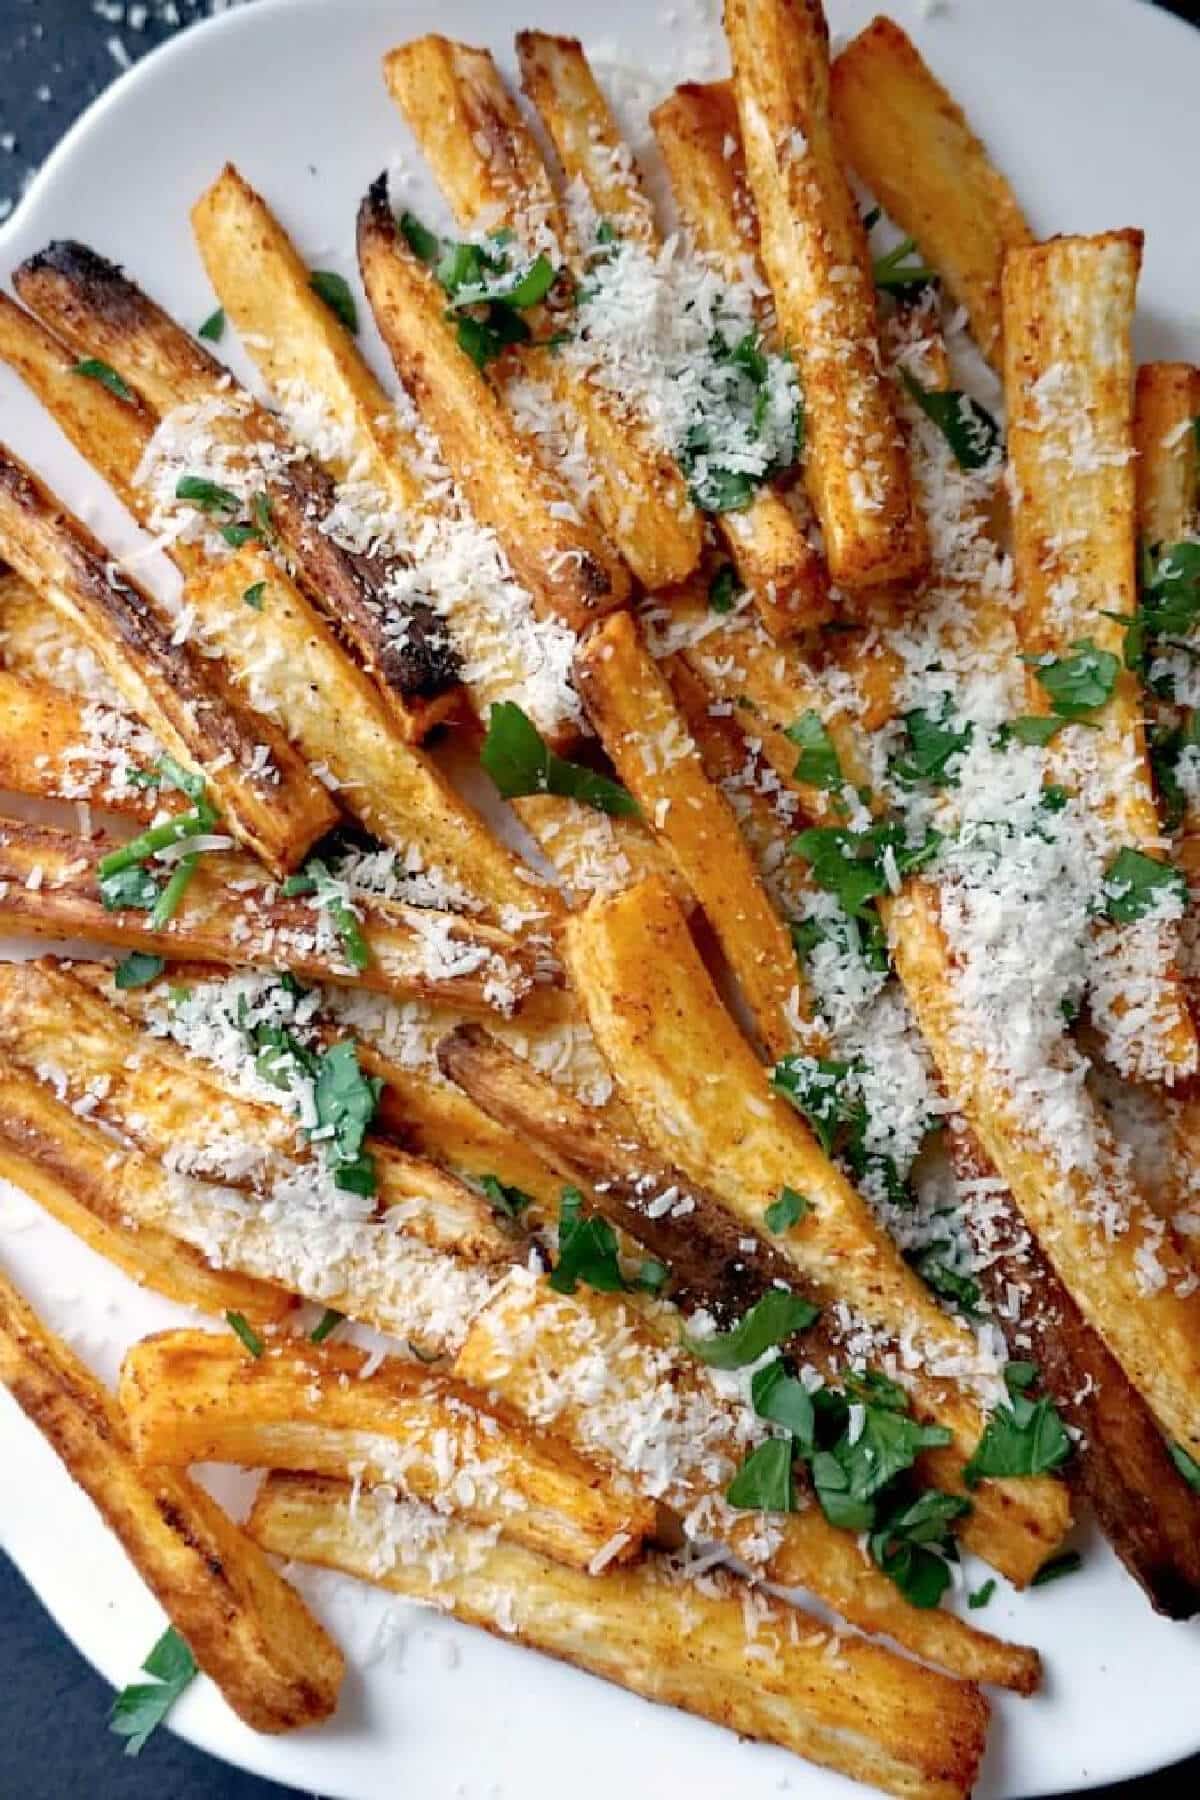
point(137, 970)
point(817, 764)
point(253, 595)
point(764, 1481)
point(242, 1328)
point(1057, 1567)
point(771, 1320)
point(934, 741)
point(969, 429)
point(1024, 1437)
point(213, 328)
point(141, 1707)
point(980, 1596)
point(508, 1201)
point(105, 374)
point(1187, 1465)
point(787, 1211)
point(519, 761)
point(329, 1321)
point(334, 290)
point(1136, 885)
point(1078, 684)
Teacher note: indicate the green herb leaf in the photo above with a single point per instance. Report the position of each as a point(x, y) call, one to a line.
point(1167, 745)
point(213, 328)
point(771, 1320)
point(961, 1290)
point(652, 1276)
point(1187, 1465)
point(969, 429)
point(334, 290)
point(817, 764)
point(241, 1327)
point(784, 1400)
point(587, 1250)
point(934, 740)
point(913, 1543)
point(853, 865)
point(167, 904)
point(1057, 1567)
point(1026, 1437)
point(519, 761)
point(787, 1211)
point(816, 1087)
point(1170, 595)
point(142, 1706)
point(237, 535)
point(329, 1321)
point(979, 1598)
point(724, 589)
point(253, 595)
point(105, 374)
point(137, 970)
point(901, 271)
point(1136, 884)
point(421, 241)
point(1034, 728)
point(1080, 683)
point(887, 1444)
point(510, 1201)
point(316, 878)
point(1019, 1376)
point(132, 888)
point(209, 496)
point(346, 1101)
point(764, 1481)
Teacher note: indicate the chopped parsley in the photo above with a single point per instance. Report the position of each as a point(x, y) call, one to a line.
point(137, 970)
point(1079, 684)
point(221, 505)
point(787, 1211)
point(771, 1320)
point(934, 741)
point(213, 328)
point(105, 374)
point(242, 1328)
point(587, 1250)
point(1168, 746)
point(914, 1546)
point(901, 271)
point(961, 1290)
point(817, 764)
point(123, 877)
point(1187, 1465)
point(745, 406)
point(969, 429)
point(1036, 729)
point(855, 865)
point(332, 897)
point(724, 589)
point(329, 1321)
point(141, 1707)
point(764, 1481)
point(1136, 885)
point(487, 294)
point(346, 1101)
point(979, 1597)
point(519, 761)
point(510, 1202)
point(334, 290)
point(1024, 1437)
point(253, 595)
point(1057, 1567)
point(827, 1095)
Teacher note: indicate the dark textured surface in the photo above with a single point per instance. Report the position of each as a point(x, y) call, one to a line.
point(55, 56)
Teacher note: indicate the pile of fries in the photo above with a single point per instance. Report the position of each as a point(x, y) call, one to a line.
point(764, 1135)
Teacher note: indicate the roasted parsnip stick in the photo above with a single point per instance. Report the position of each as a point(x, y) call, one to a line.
point(97, 310)
point(858, 1708)
point(270, 800)
point(815, 254)
point(70, 1168)
point(490, 169)
point(774, 558)
point(246, 1627)
point(634, 712)
point(1068, 376)
point(59, 746)
point(191, 1397)
point(231, 914)
point(657, 1017)
point(914, 148)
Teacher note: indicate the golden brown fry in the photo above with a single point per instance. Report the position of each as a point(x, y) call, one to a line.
point(564, 561)
point(914, 148)
point(815, 254)
point(1068, 377)
point(246, 1627)
point(704, 1102)
point(154, 1094)
point(55, 745)
point(1120, 1465)
point(97, 311)
point(271, 801)
point(490, 169)
point(773, 556)
point(191, 1397)
point(843, 1703)
point(634, 713)
point(544, 1353)
point(699, 136)
point(231, 913)
point(594, 853)
point(71, 1169)
point(1152, 1330)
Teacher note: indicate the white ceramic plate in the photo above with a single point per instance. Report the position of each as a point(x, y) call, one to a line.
point(1090, 105)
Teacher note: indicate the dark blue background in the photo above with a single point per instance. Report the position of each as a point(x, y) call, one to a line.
point(54, 58)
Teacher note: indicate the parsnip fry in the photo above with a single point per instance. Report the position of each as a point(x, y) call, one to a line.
point(271, 801)
point(635, 715)
point(229, 913)
point(1118, 1261)
point(703, 1102)
point(591, 1369)
point(815, 254)
point(595, 853)
point(489, 167)
point(68, 1167)
point(914, 148)
point(98, 311)
point(1068, 376)
point(191, 1397)
point(856, 1708)
point(562, 559)
point(58, 746)
point(774, 558)
point(246, 1627)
